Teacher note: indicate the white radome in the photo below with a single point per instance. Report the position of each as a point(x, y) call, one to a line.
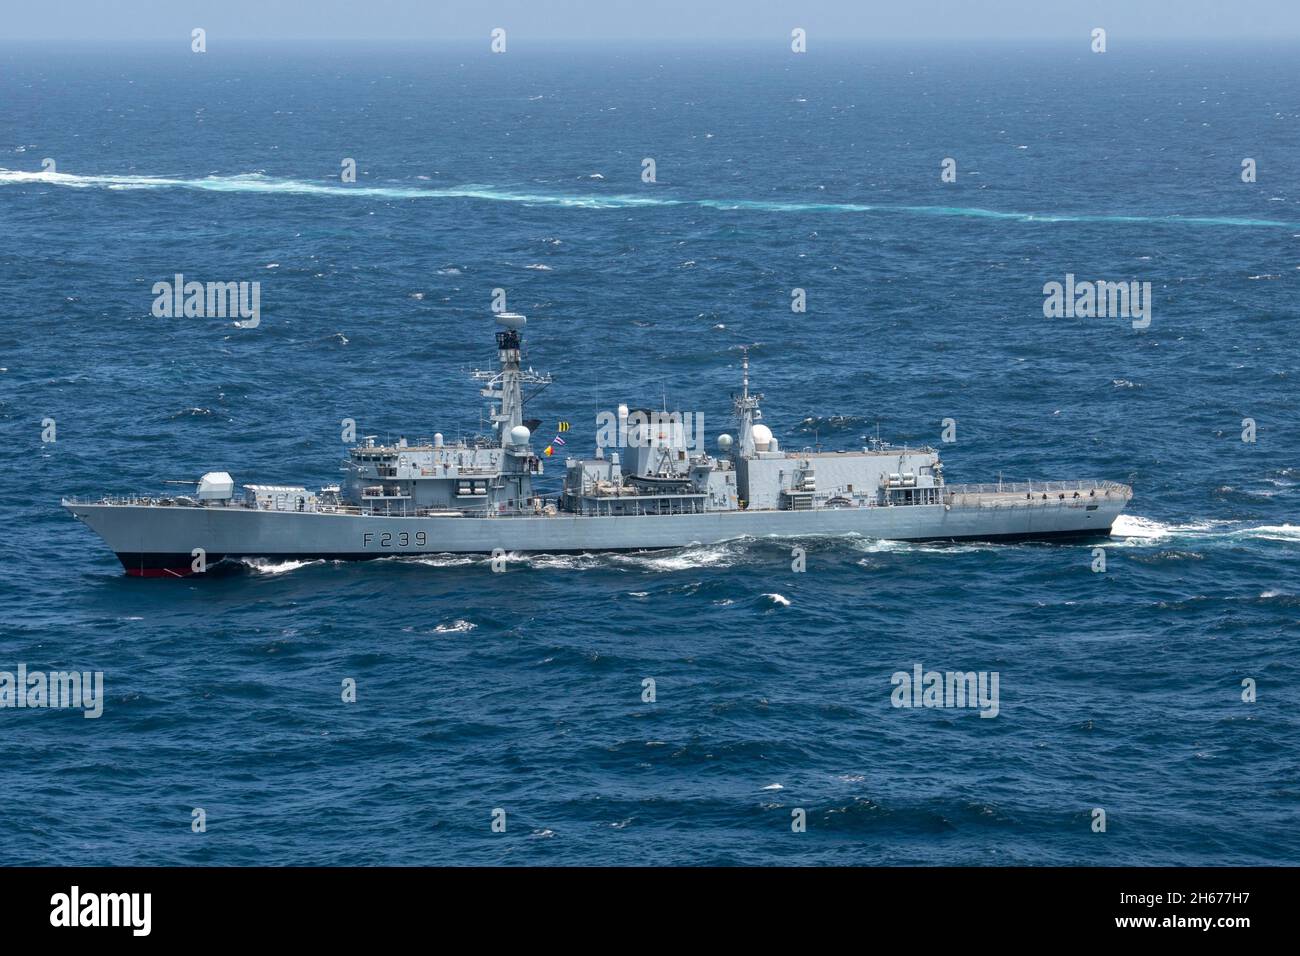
point(519, 435)
point(724, 442)
point(511, 320)
point(762, 437)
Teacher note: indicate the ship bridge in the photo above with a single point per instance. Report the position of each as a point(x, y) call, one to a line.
point(485, 476)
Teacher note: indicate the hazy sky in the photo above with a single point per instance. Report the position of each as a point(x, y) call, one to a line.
point(699, 20)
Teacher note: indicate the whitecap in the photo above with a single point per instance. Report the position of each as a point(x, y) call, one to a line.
point(559, 562)
point(444, 560)
point(1135, 526)
point(698, 556)
point(1272, 532)
point(263, 566)
point(262, 184)
point(1139, 530)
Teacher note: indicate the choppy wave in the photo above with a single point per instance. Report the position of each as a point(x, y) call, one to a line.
point(886, 546)
point(263, 566)
point(443, 560)
point(1274, 532)
point(268, 185)
point(1128, 531)
point(721, 555)
point(1139, 530)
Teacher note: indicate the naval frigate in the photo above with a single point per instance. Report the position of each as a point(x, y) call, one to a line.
point(648, 486)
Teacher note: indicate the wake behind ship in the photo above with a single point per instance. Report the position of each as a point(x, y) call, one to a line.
point(654, 489)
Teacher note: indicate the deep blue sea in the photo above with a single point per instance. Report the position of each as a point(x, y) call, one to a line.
point(522, 691)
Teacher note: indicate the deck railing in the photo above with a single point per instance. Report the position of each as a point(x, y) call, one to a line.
point(1033, 487)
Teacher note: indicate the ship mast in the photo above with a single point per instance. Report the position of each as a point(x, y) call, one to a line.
point(748, 414)
point(504, 388)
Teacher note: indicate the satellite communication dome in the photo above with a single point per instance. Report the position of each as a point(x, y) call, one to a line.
point(762, 437)
point(519, 435)
point(724, 442)
point(511, 320)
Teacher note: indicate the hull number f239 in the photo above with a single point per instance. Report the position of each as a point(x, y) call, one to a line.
point(394, 539)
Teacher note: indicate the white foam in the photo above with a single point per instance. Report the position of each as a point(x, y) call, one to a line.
point(1135, 526)
point(260, 183)
point(778, 599)
point(878, 545)
point(444, 560)
point(559, 562)
point(1138, 530)
point(686, 559)
point(262, 566)
point(881, 546)
point(1273, 532)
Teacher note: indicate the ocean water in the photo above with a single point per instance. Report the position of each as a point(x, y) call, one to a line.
point(522, 691)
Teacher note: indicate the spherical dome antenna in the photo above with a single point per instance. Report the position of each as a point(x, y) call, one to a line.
point(519, 435)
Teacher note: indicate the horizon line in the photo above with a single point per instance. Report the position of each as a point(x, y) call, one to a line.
point(757, 41)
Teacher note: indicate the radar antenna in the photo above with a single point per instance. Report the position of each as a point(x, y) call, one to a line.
point(748, 414)
point(503, 388)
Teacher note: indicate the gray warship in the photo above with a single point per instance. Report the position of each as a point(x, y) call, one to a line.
point(648, 486)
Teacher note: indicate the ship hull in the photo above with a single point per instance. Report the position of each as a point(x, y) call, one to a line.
point(156, 541)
